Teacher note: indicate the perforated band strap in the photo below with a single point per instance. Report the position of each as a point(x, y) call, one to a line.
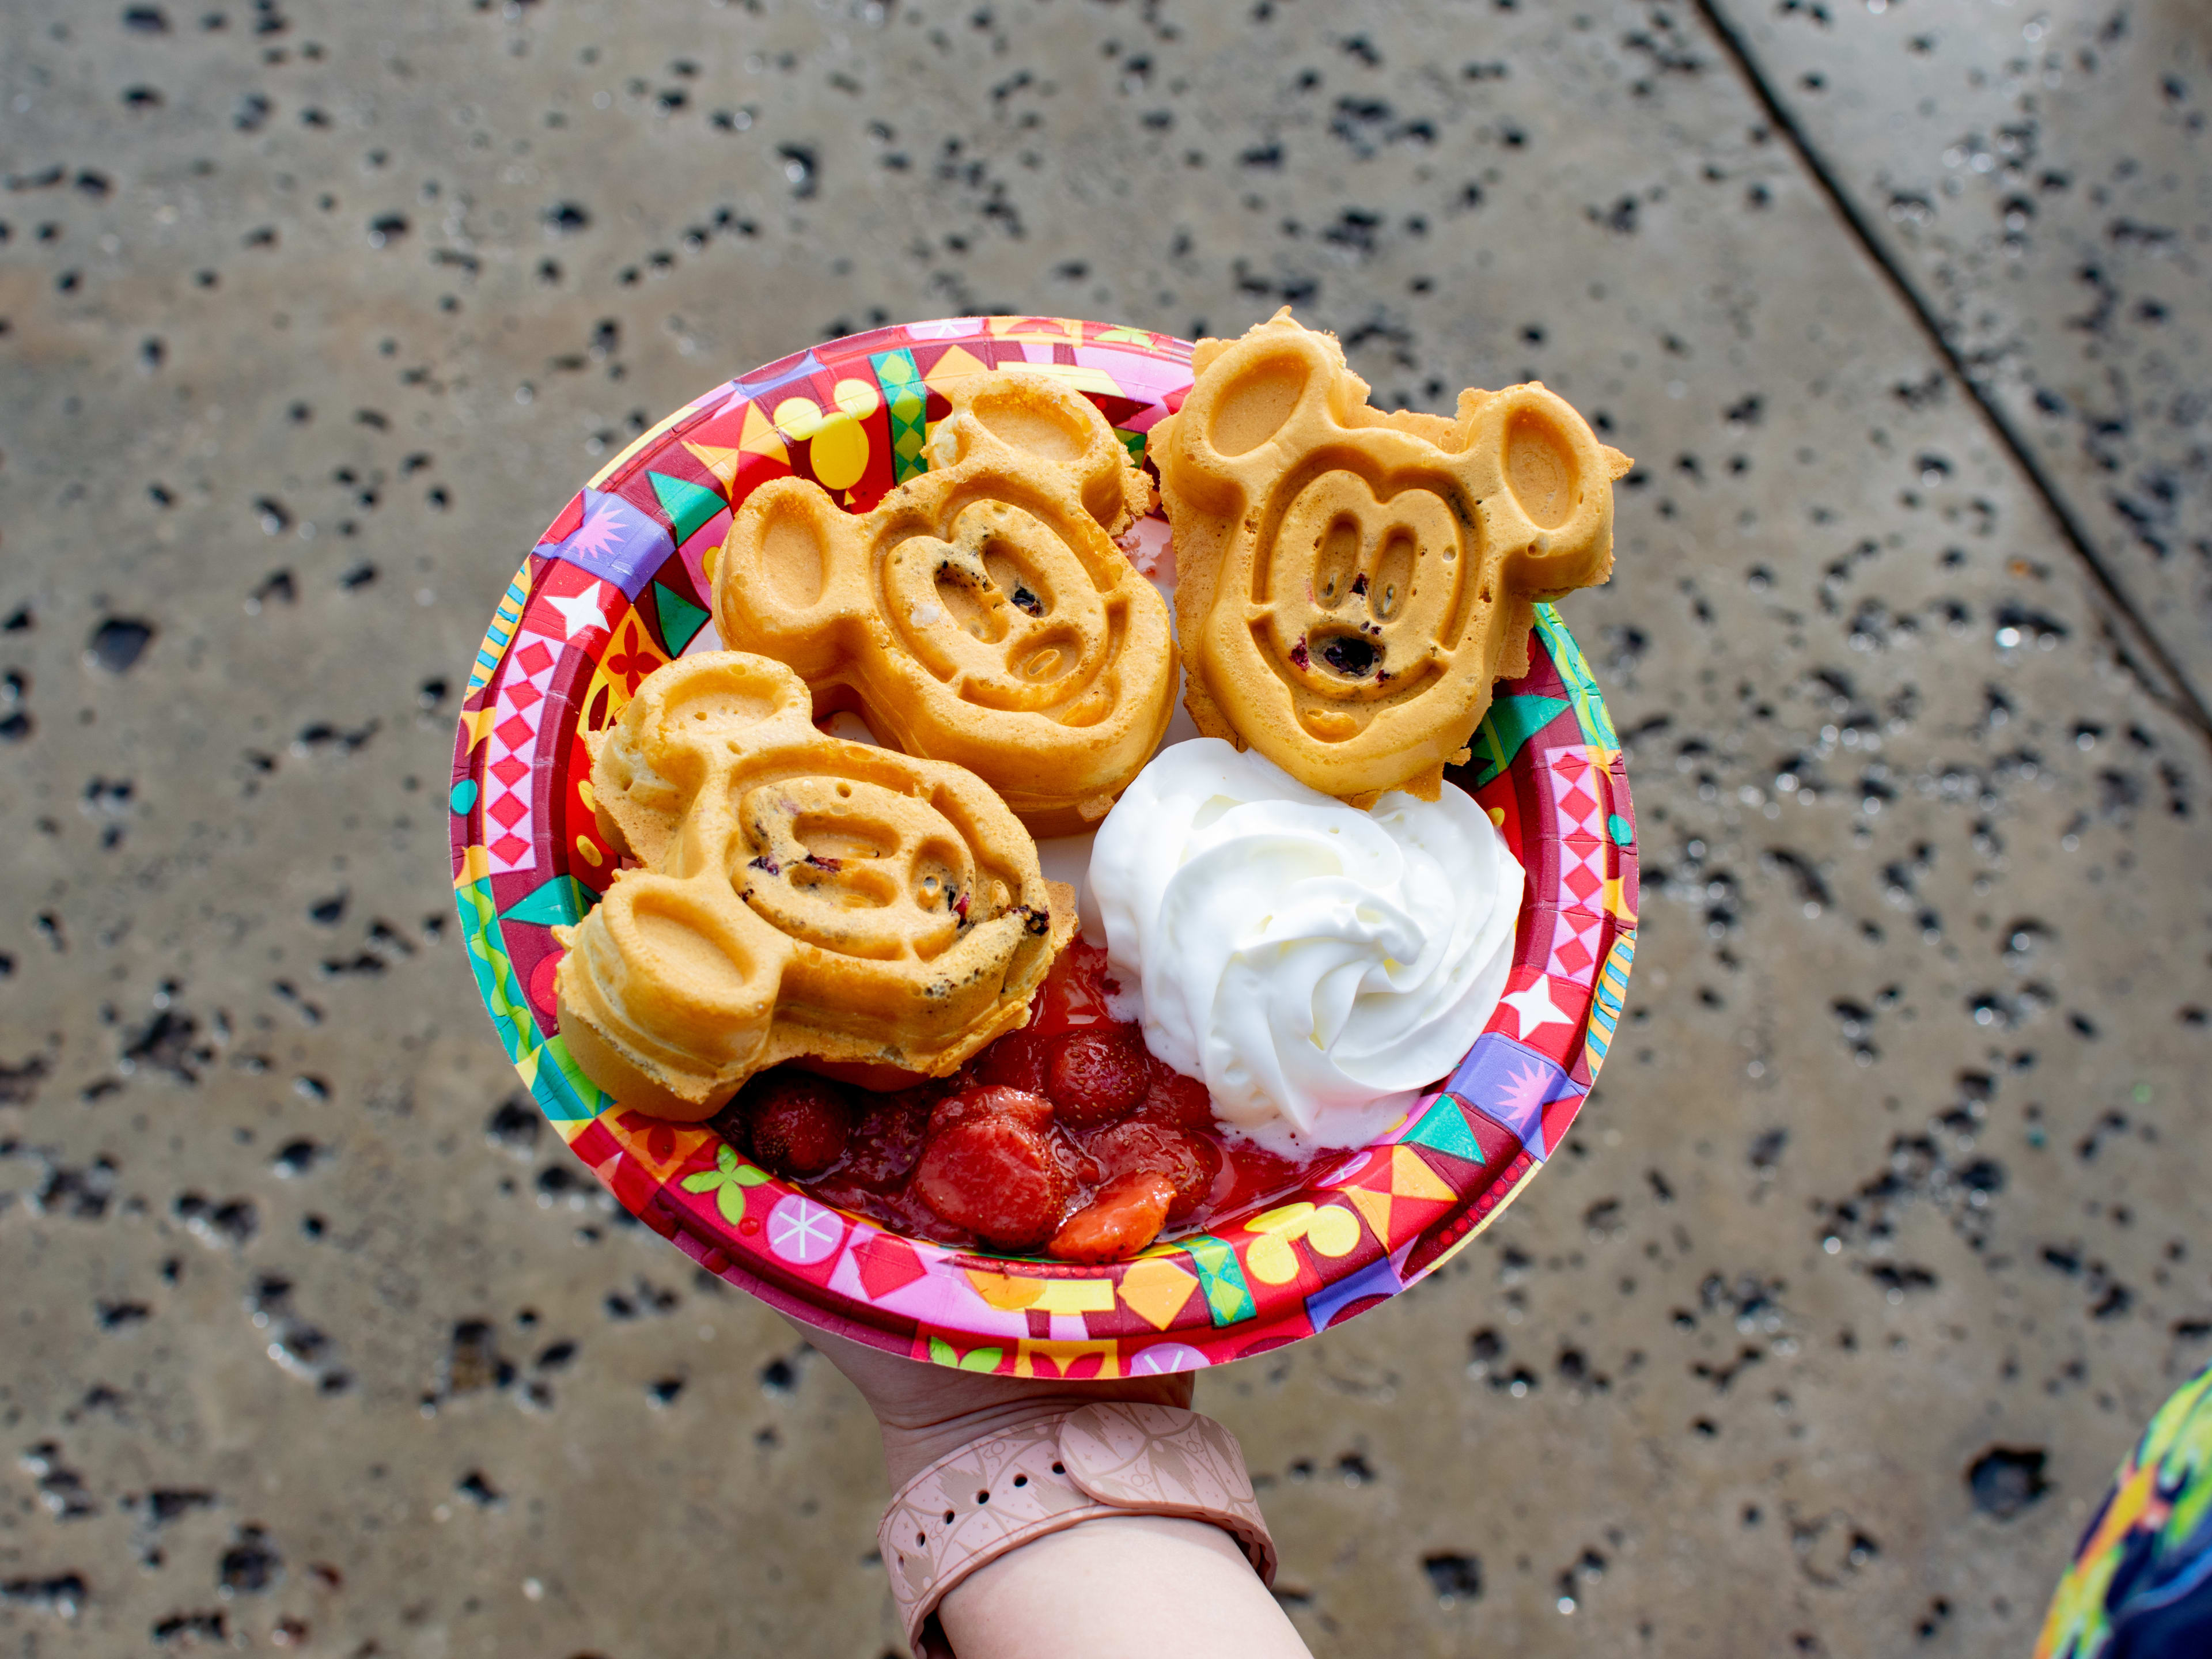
point(996, 1494)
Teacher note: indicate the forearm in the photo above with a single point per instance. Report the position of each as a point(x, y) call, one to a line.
point(1122, 1587)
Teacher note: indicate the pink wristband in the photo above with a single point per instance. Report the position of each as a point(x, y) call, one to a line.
point(996, 1494)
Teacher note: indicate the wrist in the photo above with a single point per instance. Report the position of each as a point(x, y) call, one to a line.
point(1023, 1468)
point(915, 1440)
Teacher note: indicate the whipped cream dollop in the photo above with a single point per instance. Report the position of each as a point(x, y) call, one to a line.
point(1314, 964)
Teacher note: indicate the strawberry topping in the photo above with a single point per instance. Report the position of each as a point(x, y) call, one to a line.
point(1097, 1074)
point(1126, 1216)
point(797, 1123)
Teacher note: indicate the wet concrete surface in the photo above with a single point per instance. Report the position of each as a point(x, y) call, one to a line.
point(1875, 1245)
point(2040, 177)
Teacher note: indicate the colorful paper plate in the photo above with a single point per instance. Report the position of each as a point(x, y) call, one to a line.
point(619, 584)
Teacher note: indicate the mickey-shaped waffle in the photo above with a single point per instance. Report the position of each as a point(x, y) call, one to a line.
point(1351, 582)
point(981, 613)
point(802, 898)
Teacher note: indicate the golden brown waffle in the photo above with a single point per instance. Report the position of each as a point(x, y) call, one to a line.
point(802, 897)
point(982, 613)
point(1351, 582)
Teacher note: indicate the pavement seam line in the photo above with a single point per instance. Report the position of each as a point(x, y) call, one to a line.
point(2178, 696)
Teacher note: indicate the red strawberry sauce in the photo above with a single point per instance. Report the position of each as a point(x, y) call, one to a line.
point(1068, 1138)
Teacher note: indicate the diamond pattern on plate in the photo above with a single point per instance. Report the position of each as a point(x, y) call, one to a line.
point(520, 705)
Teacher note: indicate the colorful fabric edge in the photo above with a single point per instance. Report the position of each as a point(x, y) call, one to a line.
point(2140, 1583)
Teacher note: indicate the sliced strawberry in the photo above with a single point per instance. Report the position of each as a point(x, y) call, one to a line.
point(797, 1123)
point(1126, 1216)
point(1075, 1161)
point(1032, 1112)
point(887, 1138)
point(993, 1174)
point(1016, 1060)
point(1171, 1097)
point(1189, 1162)
point(1099, 1074)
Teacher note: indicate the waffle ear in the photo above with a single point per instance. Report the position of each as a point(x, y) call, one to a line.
point(1015, 420)
point(649, 766)
point(784, 566)
point(1250, 395)
point(1550, 514)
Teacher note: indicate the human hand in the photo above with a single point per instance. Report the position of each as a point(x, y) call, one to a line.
point(925, 1411)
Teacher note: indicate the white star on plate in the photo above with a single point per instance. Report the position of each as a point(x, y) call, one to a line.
point(800, 1231)
point(1533, 1007)
point(579, 611)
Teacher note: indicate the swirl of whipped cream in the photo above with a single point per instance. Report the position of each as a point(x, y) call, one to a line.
point(1314, 964)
